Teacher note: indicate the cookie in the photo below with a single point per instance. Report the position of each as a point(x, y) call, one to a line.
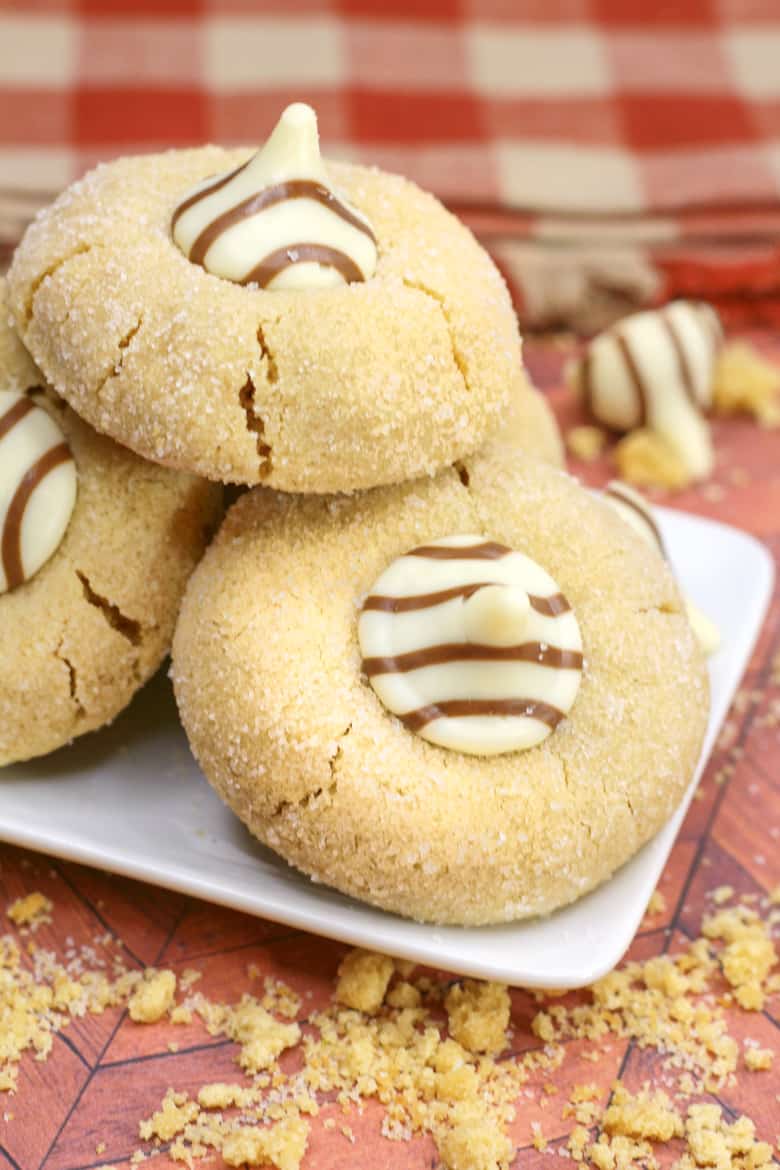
point(83, 626)
point(530, 424)
point(274, 693)
point(316, 389)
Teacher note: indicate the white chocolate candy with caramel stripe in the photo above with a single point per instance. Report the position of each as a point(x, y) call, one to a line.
point(472, 645)
point(655, 369)
point(275, 221)
point(37, 488)
point(636, 511)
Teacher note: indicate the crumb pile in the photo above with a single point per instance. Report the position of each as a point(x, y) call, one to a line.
point(40, 995)
point(436, 1053)
point(744, 382)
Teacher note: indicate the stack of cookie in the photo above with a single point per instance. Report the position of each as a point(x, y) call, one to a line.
point(450, 683)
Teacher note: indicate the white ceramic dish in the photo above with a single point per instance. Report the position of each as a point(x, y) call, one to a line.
point(130, 799)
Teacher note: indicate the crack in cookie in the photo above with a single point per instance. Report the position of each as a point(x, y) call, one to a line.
point(129, 628)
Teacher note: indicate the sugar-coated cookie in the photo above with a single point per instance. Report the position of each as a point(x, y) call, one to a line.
point(276, 691)
point(393, 374)
point(530, 424)
point(93, 564)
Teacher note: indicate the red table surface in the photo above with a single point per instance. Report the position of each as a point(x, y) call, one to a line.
point(106, 1073)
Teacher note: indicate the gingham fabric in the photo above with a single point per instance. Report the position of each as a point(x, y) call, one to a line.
point(642, 136)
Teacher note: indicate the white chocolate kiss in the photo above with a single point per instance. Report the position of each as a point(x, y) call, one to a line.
point(472, 645)
point(656, 369)
point(276, 221)
point(636, 511)
point(37, 488)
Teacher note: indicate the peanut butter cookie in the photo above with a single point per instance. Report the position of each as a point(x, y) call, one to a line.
point(466, 699)
point(97, 546)
point(396, 357)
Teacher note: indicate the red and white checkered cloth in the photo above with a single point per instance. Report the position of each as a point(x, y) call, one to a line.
point(609, 151)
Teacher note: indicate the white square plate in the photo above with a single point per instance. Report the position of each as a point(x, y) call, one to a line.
point(131, 799)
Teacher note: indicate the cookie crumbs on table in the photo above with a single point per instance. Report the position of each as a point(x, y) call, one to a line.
point(152, 997)
point(444, 1085)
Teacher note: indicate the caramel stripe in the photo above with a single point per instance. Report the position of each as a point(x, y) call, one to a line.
point(586, 383)
point(537, 652)
point(280, 193)
point(12, 529)
point(204, 194)
point(276, 262)
point(385, 604)
point(648, 519)
point(15, 414)
point(636, 377)
point(550, 606)
point(487, 551)
point(455, 708)
point(686, 374)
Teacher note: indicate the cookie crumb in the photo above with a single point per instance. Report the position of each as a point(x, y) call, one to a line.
point(746, 383)
point(586, 442)
point(748, 955)
point(32, 910)
point(403, 995)
point(219, 1095)
point(647, 1115)
point(645, 459)
point(262, 1038)
point(475, 1145)
point(758, 1059)
point(363, 977)
point(281, 1146)
point(176, 1111)
point(538, 1140)
point(152, 997)
point(657, 903)
point(478, 1015)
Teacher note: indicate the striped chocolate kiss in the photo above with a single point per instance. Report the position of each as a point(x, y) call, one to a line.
point(655, 370)
point(471, 645)
point(37, 488)
point(275, 221)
